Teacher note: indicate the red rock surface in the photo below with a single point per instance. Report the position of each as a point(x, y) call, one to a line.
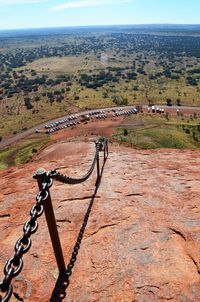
point(142, 238)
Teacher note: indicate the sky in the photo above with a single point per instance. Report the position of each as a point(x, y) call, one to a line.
point(15, 14)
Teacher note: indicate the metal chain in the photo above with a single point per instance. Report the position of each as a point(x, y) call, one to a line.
point(100, 146)
point(14, 265)
point(72, 181)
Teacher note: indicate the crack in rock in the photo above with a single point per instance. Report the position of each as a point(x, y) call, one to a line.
point(195, 263)
point(178, 233)
point(79, 198)
point(148, 285)
point(8, 193)
point(156, 231)
point(63, 220)
point(156, 294)
point(4, 215)
point(134, 194)
point(103, 227)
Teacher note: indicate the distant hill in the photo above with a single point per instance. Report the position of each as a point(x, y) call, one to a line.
point(85, 29)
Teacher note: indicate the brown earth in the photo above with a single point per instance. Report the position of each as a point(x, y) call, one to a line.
point(141, 240)
point(92, 128)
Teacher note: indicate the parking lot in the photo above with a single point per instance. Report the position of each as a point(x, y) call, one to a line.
point(76, 120)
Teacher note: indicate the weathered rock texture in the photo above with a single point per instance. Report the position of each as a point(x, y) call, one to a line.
point(140, 234)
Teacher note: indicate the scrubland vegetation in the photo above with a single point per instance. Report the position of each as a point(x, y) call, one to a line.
point(46, 74)
point(21, 152)
point(155, 131)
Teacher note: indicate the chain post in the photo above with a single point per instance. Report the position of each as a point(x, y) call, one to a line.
point(98, 169)
point(41, 175)
point(106, 148)
point(104, 151)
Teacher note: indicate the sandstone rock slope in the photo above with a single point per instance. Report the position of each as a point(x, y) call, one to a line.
point(138, 237)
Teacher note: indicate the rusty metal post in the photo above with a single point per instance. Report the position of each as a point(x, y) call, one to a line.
point(51, 223)
point(98, 169)
point(104, 151)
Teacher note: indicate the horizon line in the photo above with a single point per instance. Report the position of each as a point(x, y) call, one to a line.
point(101, 25)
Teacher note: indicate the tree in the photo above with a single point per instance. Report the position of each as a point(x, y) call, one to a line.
point(125, 132)
point(36, 98)
point(27, 103)
point(169, 102)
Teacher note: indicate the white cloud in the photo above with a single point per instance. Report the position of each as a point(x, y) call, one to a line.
point(85, 3)
point(12, 2)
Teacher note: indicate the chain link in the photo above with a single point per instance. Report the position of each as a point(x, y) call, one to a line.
point(14, 265)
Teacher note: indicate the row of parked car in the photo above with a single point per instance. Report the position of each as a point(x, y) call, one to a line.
point(98, 114)
point(57, 128)
point(154, 109)
point(60, 122)
point(126, 112)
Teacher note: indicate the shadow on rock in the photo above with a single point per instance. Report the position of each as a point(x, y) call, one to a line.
point(62, 283)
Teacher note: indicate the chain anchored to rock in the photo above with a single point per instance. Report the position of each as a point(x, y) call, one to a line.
point(14, 265)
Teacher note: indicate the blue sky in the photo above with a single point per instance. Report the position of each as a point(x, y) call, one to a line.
point(53, 13)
